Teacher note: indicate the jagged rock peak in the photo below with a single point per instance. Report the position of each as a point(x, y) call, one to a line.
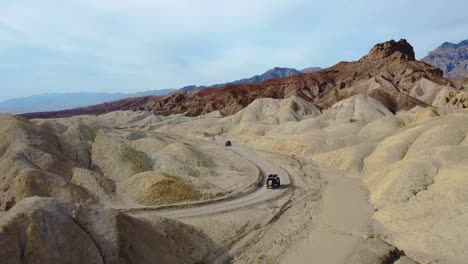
point(400, 49)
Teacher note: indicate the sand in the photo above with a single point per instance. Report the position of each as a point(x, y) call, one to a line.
point(343, 219)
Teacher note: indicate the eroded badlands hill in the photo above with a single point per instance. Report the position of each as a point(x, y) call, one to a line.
point(60, 179)
point(413, 163)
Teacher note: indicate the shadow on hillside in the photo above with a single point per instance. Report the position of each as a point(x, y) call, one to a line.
point(180, 242)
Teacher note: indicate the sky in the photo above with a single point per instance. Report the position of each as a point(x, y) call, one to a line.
point(136, 45)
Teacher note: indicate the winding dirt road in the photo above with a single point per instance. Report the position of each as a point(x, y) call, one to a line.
point(262, 194)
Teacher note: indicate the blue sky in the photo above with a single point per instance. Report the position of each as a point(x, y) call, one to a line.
point(137, 45)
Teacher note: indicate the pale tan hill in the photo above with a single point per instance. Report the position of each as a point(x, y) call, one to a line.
point(347, 123)
point(43, 230)
point(337, 127)
point(418, 183)
point(265, 113)
point(35, 161)
point(431, 92)
point(272, 111)
point(356, 108)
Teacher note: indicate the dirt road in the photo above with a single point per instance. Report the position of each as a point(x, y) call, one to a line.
point(341, 222)
point(262, 194)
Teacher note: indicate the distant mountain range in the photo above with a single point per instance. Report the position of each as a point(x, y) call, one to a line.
point(274, 73)
point(451, 58)
point(389, 73)
point(61, 101)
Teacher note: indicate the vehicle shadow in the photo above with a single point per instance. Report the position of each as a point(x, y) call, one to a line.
point(281, 187)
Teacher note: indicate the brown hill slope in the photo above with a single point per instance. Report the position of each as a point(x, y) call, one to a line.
point(388, 73)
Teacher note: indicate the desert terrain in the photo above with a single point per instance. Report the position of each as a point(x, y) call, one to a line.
point(372, 157)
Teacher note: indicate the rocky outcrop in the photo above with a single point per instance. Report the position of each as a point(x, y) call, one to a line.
point(401, 50)
point(451, 58)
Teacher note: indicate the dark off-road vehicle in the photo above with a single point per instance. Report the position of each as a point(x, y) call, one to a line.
point(273, 181)
point(228, 143)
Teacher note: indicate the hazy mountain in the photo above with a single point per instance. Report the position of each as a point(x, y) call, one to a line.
point(451, 58)
point(274, 73)
point(151, 93)
point(61, 101)
point(311, 69)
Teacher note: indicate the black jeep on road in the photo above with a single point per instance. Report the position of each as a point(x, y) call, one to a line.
point(273, 181)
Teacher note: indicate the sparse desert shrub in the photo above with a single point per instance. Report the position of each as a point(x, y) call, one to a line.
point(22, 119)
point(87, 133)
point(171, 189)
point(3, 149)
point(55, 127)
point(134, 135)
point(139, 160)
